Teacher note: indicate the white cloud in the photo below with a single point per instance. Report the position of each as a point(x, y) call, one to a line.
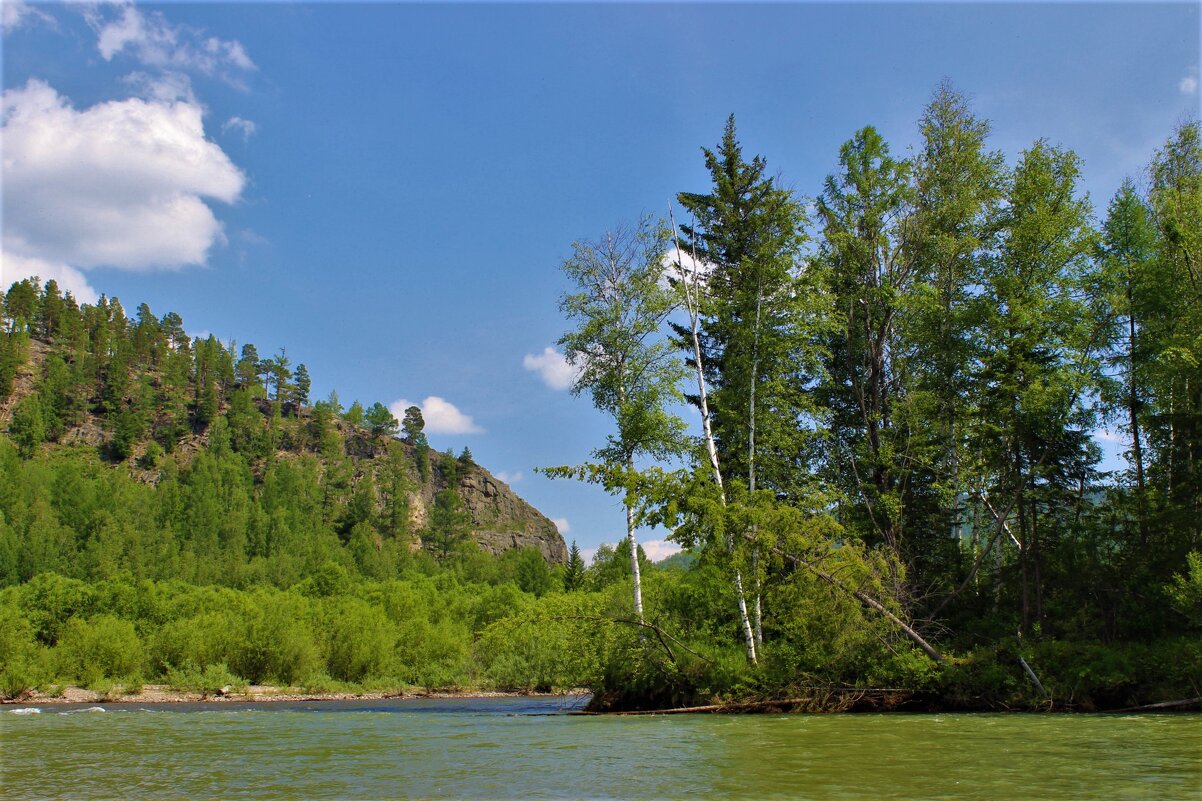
point(14, 268)
point(166, 87)
point(1189, 84)
point(509, 478)
point(654, 550)
point(657, 550)
point(15, 13)
point(552, 367)
point(120, 184)
point(441, 416)
point(239, 125)
point(690, 265)
point(562, 524)
point(155, 42)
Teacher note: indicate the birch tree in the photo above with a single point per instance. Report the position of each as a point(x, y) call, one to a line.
point(624, 360)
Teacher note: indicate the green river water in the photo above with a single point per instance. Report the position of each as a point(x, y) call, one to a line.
point(521, 748)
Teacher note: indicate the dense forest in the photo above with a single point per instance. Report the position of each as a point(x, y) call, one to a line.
point(872, 418)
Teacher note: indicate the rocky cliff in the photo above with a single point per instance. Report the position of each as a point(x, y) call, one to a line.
point(500, 518)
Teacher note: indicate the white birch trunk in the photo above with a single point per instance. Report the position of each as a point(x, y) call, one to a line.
point(755, 549)
point(692, 306)
point(634, 557)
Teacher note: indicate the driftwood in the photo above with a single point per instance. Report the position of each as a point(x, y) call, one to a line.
point(1185, 702)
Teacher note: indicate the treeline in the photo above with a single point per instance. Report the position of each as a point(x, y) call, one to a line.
point(481, 622)
point(144, 378)
point(902, 382)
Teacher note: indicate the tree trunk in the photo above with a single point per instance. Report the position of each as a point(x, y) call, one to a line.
point(634, 552)
point(755, 551)
point(1137, 451)
point(711, 447)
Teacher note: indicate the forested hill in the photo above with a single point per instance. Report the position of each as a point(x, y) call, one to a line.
point(163, 456)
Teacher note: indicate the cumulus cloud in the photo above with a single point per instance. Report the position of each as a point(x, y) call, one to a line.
point(510, 478)
point(441, 416)
point(655, 550)
point(240, 126)
point(154, 42)
point(686, 260)
point(562, 524)
point(15, 268)
point(16, 13)
point(658, 550)
point(1189, 84)
point(120, 184)
point(165, 87)
point(552, 367)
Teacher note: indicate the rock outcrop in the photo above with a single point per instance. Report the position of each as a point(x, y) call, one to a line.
point(501, 520)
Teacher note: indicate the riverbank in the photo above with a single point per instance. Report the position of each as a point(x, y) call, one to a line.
point(257, 693)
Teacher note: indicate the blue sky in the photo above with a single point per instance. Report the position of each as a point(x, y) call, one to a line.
point(387, 190)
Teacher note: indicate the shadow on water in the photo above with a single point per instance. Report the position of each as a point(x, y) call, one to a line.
point(532, 705)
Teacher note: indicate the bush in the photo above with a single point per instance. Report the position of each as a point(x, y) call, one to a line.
point(278, 644)
point(103, 647)
point(206, 639)
point(22, 660)
point(433, 657)
point(209, 680)
point(360, 640)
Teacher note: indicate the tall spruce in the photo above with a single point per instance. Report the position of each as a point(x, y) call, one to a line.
point(1173, 332)
point(761, 313)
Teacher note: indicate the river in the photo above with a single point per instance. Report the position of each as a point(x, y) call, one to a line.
point(516, 748)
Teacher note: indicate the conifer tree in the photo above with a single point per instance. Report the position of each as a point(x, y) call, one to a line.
point(573, 578)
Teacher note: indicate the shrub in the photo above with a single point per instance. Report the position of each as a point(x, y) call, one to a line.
point(278, 644)
point(208, 680)
point(359, 638)
point(22, 662)
point(103, 647)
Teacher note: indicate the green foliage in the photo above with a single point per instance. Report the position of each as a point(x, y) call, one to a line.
point(354, 415)
point(28, 426)
point(904, 419)
point(278, 642)
point(413, 425)
point(574, 576)
point(103, 646)
point(22, 660)
point(380, 421)
point(212, 679)
point(1186, 590)
point(532, 572)
point(449, 525)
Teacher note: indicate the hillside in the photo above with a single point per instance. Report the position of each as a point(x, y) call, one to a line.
point(81, 384)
